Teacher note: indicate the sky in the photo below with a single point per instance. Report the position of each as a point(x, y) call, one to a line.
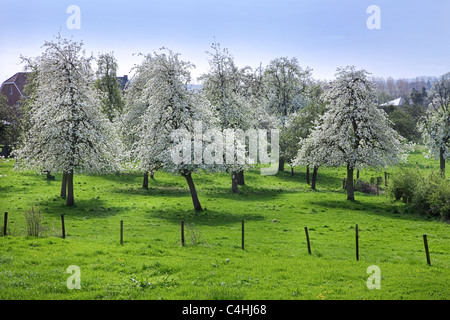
point(411, 41)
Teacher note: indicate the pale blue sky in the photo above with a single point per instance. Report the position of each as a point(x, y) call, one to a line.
point(322, 34)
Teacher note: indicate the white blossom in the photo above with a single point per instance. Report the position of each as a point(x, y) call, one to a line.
point(435, 125)
point(353, 131)
point(68, 132)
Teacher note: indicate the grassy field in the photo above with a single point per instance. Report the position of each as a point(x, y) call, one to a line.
point(152, 264)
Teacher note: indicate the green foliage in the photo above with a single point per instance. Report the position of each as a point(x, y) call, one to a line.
point(403, 184)
point(405, 119)
point(10, 125)
point(425, 194)
point(432, 196)
point(404, 124)
point(107, 82)
point(299, 124)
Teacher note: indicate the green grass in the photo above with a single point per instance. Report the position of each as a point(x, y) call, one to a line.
point(275, 264)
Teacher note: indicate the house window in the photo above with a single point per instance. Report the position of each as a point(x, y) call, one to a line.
point(10, 90)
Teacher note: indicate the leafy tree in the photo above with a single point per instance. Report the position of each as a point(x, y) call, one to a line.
point(418, 97)
point(67, 132)
point(353, 131)
point(298, 125)
point(107, 83)
point(404, 123)
point(9, 118)
point(435, 125)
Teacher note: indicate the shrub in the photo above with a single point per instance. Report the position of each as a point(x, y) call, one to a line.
point(439, 196)
point(403, 185)
point(427, 195)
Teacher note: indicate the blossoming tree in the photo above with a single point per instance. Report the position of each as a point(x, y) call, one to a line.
point(353, 131)
point(435, 125)
point(225, 89)
point(168, 106)
point(68, 132)
point(136, 99)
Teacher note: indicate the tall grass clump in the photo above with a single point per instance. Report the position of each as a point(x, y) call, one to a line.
point(33, 222)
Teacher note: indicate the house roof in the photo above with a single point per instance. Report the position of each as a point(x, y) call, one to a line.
point(19, 79)
point(395, 102)
point(123, 81)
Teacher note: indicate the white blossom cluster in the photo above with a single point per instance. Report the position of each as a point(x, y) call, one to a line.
point(435, 126)
point(225, 88)
point(353, 131)
point(159, 104)
point(68, 132)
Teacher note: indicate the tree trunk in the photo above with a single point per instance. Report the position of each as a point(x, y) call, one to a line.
point(292, 170)
point(240, 178)
point(314, 178)
point(281, 164)
point(307, 175)
point(357, 174)
point(350, 184)
point(442, 162)
point(64, 185)
point(194, 196)
point(145, 182)
point(234, 183)
point(70, 198)
point(152, 175)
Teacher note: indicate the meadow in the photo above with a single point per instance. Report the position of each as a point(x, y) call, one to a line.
point(274, 265)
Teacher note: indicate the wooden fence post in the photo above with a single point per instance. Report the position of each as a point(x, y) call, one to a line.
point(182, 233)
point(242, 234)
point(121, 232)
point(425, 242)
point(63, 228)
point(307, 240)
point(5, 223)
point(357, 243)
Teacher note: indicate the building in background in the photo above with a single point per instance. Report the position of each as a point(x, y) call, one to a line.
point(12, 88)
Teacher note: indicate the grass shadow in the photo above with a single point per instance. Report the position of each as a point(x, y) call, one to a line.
point(206, 217)
point(368, 207)
point(94, 207)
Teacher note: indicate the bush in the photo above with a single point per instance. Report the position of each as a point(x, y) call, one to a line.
point(403, 185)
point(427, 195)
point(439, 197)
